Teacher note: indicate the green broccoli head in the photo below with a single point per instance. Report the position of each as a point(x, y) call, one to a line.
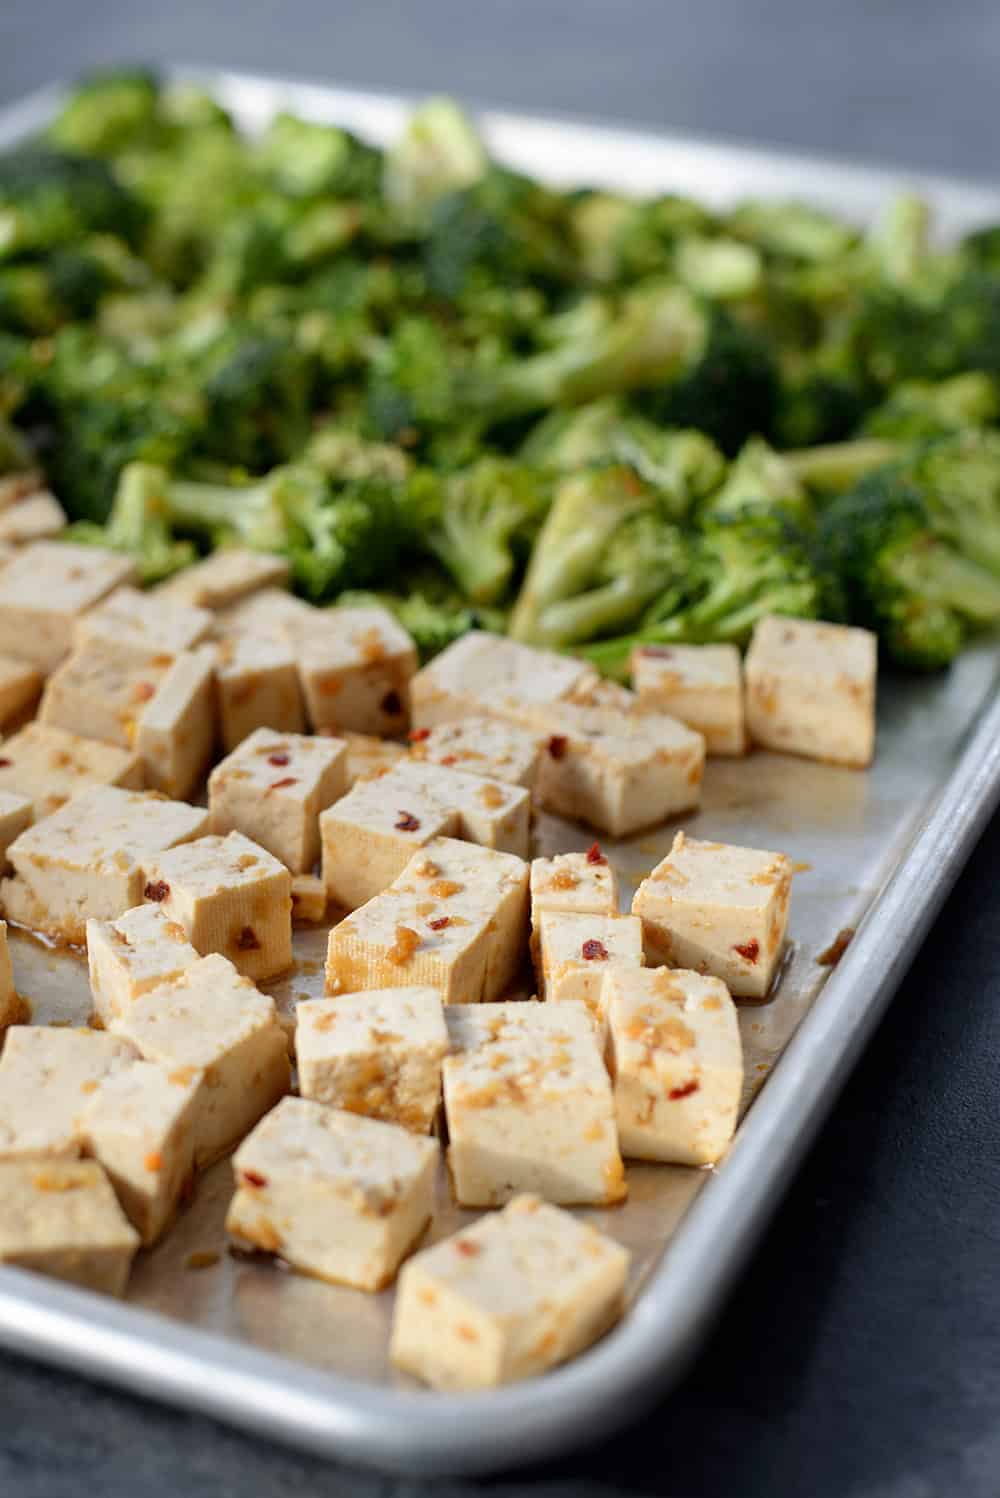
point(438, 153)
point(108, 111)
point(309, 160)
point(958, 479)
point(622, 239)
point(760, 478)
point(918, 410)
point(50, 199)
point(138, 524)
point(901, 336)
point(258, 392)
point(489, 515)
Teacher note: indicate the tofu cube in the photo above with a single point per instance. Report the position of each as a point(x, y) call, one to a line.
point(127, 957)
point(700, 685)
point(811, 690)
point(48, 766)
point(45, 588)
point(529, 1107)
point(308, 898)
point(11, 1007)
point(273, 788)
point(16, 813)
point(92, 858)
point(47, 1077)
point(258, 687)
point(369, 836)
point(224, 578)
point(368, 756)
point(340, 1197)
point(60, 1218)
point(147, 623)
point(578, 952)
point(484, 674)
point(232, 897)
point(379, 1054)
point(140, 1124)
point(717, 909)
point(356, 666)
point(36, 517)
point(479, 745)
point(677, 1063)
point(211, 1026)
point(584, 883)
point(493, 813)
point(175, 738)
point(20, 688)
point(518, 1292)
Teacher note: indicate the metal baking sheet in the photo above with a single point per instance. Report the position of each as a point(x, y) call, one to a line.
point(307, 1362)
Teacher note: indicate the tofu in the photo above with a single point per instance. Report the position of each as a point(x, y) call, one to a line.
point(273, 788)
point(45, 588)
point(529, 1107)
point(127, 957)
point(258, 687)
point(16, 813)
point(700, 685)
point(223, 578)
point(140, 1125)
point(584, 883)
point(20, 688)
point(356, 666)
point(493, 813)
point(579, 951)
point(378, 1054)
point(308, 898)
point(175, 736)
point(677, 1064)
point(49, 766)
point(514, 1294)
point(47, 1077)
point(810, 690)
point(368, 756)
point(211, 1026)
point(232, 897)
point(337, 1196)
point(11, 1008)
point(37, 517)
point(92, 858)
point(484, 674)
point(455, 920)
point(269, 613)
point(479, 745)
point(369, 836)
point(145, 622)
point(718, 909)
point(60, 1218)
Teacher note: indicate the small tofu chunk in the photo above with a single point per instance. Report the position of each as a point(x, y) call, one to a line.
point(455, 920)
point(717, 909)
point(480, 746)
point(369, 836)
point(127, 957)
point(308, 898)
point(211, 1026)
point(518, 1292)
point(37, 517)
point(269, 613)
point(224, 578)
point(340, 1197)
point(356, 666)
point(369, 756)
point(493, 813)
point(811, 690)
point(273, 788)
point(146, 622)
point(578, 951)
point(581, 882)
point(140, 1124)
point(60, 1218)
point(379, 1054)
point(11, 1008)
point(45, 588)
point(92, 858)
point(483, 673)
point(529, 1106)
point(175, 735)
point(20, 688)
point(49, 766)
point(231, 896)
point(700, 685)
point(258, 687)
point(677, 1063)
point(47, 1076)
point(16, 813)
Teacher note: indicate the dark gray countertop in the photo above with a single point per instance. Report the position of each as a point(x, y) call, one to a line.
point(859, 1357)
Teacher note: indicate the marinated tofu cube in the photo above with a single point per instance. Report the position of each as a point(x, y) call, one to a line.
point(518, 1292)
point(92, 858)
point(258, 687)
point(269, 613)
point(356, 666)
point(811, 690)
point(578, 952)
point(47, 1077)
point(11, 1008)
point(20, 688)
point(480, 746)
point(308, 898)
point(379, 1054)
point(145, 622)
point(232, 897)
point(493, 813)
point(224, 578)
point(700, 685)
point(598, 691)
point(677, 1063)
point(483, 673)
point(140, 1124)
point(49, 766)
point(369, 836)
point(718, 909)
point(101, 692)
point(581, 882)
point(211, 1025)
point(37, 517)
point(529, 1106)
point(16, 813)
point(368, 756)
point(45, 588)
point(273, 788)
point(61, 1218)
point(340, 1197)
point(127, 957)
point(175, 734)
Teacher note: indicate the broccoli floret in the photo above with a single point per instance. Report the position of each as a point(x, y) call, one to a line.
point(918, 410)
point(902, 336)
point(258, 399)
point(108, 111)
point(489, 515)
point(621, 239)
point(792, 230)
point(138, 524)
point(899, 241)
point(50, 198)
point(307, 160)
point(720, 268)
point(958, 479)
point(760, 478)
point(439, 153)
point(340, 453)
point(833, 467)
point(411, 382)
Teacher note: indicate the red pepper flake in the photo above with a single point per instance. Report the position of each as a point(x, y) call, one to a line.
point(157, 889)
point(750, 949)
point(392, 704)
point(557, 745)
point(448, 759)
point(594, 854)
point(685, 1090)
point(279, 759)
point(251, 1178)
point(440, 923)
point(5, 762)
point(594, 951)
point(467, 1248)
point(407, 822)
point(143, 691)
point(247, 940)
point(279, 785)
point(417, 735)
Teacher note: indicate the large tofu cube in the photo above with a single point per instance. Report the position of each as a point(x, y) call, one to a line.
point(91, 859)
point(309, 900)
point(175, 737)
point(60, 1218)
point(484, 674)
point(36, 517)
point(11, 1008)
point(718, 909)
point(16, 813)
point(677, 1063)
point(518, 1292)
point(379, 1054)
point(148, 623)
point(337, 1196)
point(269, 613)
point(369, 836)
point(273, 788)
point(811, 690)
point(210, 1025)
point(258, 687)
point(480, 746)
point(48, 766)
point(140, 1124)
point(368, 756)
point(127, 957)
point(356, 666)
point(20, 688)
point(529, 1106)
point(47, 1077)
point(45, 588)
point(578, 951)
point(231, 896)
point(700, 685)
point(224, 578)
point(493, 813)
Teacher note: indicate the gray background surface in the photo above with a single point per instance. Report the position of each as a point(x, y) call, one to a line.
point(860, 1357)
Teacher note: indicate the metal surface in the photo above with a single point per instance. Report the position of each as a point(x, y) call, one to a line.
point(307, 1362)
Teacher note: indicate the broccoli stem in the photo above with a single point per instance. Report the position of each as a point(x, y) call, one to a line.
point(836, 466)
point(943, 577)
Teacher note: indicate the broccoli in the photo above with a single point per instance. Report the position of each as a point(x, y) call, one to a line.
point(340, 453)
point(835, 466)
point(438, 153)
point(622, 239)
point(958, 480)
point(899, 241)
point(792, 230)
point(932, 336)
point(309, 160)
point(431, 612)
point(138, 525)
point(108, 111)
point(489, 515)
point(917, 410)
point(50, 199)
point(258, 393)
point(760, 478)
